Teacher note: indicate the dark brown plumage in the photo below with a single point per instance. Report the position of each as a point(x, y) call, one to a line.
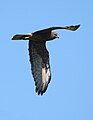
point(39, 56)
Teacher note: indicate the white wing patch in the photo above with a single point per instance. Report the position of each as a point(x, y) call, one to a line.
point(45, 76)
point(39, 58)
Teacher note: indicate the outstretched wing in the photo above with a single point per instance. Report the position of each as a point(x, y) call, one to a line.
point(39, 58)
point(73, 28)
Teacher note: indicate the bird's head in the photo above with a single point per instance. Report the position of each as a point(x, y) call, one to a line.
point(54, 35)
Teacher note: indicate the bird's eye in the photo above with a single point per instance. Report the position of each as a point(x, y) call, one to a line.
point(55, 34)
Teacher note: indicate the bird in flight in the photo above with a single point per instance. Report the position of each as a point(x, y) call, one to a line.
point(39, 55)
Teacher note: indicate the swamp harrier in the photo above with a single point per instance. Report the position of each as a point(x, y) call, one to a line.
point(39, 55)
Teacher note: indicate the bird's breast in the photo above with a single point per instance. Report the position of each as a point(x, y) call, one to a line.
point(40, 37)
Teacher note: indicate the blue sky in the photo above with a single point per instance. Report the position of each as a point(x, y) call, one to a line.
point(70, 93)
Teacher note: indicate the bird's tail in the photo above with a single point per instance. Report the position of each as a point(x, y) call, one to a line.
point(73, 28)
point(21, 37)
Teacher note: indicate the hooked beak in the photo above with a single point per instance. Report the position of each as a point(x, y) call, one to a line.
point(57, 37)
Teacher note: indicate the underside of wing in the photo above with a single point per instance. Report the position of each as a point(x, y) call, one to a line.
point(73, 28)
point(47, 30)
point(39, 58)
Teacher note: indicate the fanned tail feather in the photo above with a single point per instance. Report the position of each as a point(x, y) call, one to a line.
point(21, 37)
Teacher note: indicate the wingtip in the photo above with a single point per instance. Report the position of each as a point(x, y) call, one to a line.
point(40, 92)
point(77, 26)
point(73, 27)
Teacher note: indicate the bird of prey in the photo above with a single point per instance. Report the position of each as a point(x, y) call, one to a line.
point(39, 55)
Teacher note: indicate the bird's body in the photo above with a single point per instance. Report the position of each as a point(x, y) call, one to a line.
point(39, 55)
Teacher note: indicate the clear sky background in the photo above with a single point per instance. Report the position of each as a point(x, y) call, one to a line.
point(70, 93)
